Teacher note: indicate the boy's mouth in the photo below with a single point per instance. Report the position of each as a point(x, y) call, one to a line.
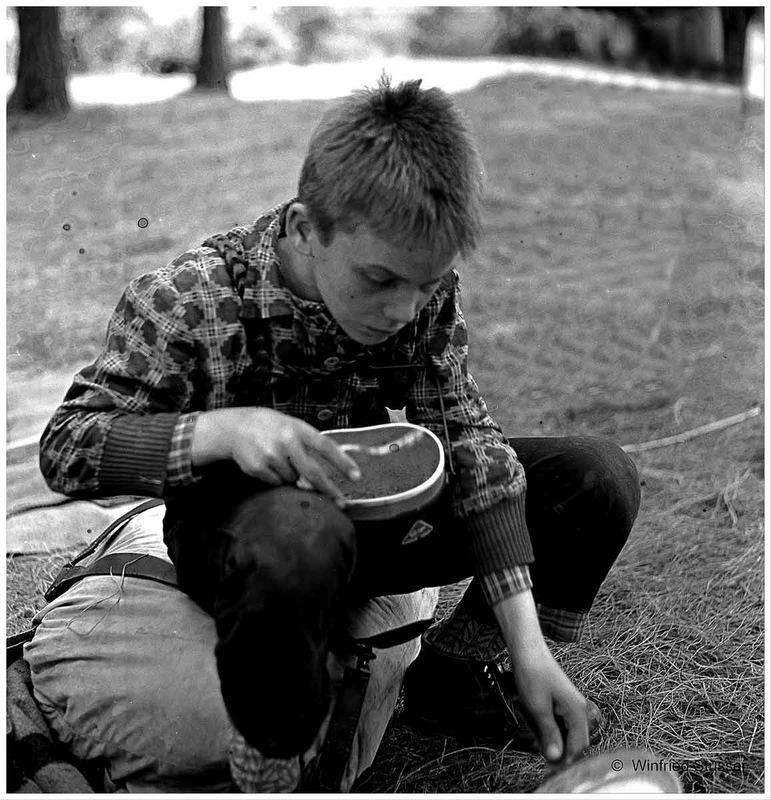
point(379, 333)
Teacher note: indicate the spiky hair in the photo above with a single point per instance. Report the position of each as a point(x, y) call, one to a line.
point(399, 160)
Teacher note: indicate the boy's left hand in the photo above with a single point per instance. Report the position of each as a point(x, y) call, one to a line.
point(556, 710)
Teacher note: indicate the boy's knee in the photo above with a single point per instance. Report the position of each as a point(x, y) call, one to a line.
point(612, 478)
point(290, 558)
point(290, 537)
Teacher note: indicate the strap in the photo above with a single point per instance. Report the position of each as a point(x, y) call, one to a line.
point(134, 565)
point(112, 529)
point(69, 574)
point(328, 770)
point(338, 743)
point(14, 645)
point(395, 636)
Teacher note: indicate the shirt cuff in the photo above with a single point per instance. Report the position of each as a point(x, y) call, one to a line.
point(179, 467)
point(498, 536)
point(504, 583)
point(136, 454)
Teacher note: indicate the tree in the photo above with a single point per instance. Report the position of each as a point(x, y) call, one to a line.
point(41, 73)
point(212, 72)
point(735, 22)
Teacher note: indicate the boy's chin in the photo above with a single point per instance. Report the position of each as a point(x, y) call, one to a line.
point(370, 336)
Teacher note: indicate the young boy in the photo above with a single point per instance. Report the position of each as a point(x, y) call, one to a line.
point(219, 372)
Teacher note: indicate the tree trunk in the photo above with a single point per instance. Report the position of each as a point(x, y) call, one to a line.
point(211, 72)
point(41, 74)
point(735, 21)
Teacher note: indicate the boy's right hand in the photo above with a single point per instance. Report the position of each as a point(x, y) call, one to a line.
point(272, 447)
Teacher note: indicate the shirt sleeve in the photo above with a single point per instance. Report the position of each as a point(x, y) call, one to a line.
point(489, 482)
point(113, 432)
point(179, 467)
point(503, 583)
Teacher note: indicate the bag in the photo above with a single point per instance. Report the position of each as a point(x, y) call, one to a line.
point(35, 762)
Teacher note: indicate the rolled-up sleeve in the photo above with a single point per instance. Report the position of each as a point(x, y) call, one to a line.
point(180, 462)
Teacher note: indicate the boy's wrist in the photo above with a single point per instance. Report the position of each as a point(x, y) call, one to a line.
point(212, 437)
point(518, 620)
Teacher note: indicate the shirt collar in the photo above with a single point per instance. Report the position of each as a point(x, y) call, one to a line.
point(251, 258)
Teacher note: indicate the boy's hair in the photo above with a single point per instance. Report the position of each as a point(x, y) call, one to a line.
point(398, 160)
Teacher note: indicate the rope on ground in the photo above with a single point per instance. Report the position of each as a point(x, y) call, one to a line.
point(710, 427)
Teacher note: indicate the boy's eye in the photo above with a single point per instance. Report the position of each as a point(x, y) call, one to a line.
point(385, 281)
point(379, 280)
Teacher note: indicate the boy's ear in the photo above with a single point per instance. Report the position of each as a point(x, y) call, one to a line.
point(299, 229)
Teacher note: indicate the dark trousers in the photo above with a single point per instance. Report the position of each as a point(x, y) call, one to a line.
point(277, 567)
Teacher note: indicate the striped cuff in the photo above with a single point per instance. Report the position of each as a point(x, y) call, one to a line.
point(179, 467)
point(505, 583)
point(499, 538)
point(561, 625)
point(135, 454)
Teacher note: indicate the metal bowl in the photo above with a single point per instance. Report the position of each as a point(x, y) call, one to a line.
point(615, 772)
point(415, 491)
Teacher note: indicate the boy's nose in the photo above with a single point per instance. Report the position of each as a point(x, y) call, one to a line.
point(403, 309)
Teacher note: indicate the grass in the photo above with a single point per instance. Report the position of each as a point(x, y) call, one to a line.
point(618, 292)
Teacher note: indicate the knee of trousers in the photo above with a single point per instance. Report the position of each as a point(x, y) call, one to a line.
point(291, 536)
point(287, 560)
point(609, 476)
point(283, 547)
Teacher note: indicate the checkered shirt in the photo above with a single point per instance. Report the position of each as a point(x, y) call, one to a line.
point(217, 328)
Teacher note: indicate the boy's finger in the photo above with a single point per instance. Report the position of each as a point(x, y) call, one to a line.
point(577, 738)
point(266, 475)
point(339, 459)
point(311, 472)
point(551, 740)
point(285, 468)
point(322, 483)
point(549, 736)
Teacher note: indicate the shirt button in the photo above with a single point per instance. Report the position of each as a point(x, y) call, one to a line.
point(331, 362)
point(325, 414)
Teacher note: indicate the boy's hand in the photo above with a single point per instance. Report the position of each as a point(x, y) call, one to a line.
point(273, 447)
point(556, 710)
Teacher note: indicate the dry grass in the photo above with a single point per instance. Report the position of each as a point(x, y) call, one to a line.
point(618, 292)
point(673, 654)
point(27, 577)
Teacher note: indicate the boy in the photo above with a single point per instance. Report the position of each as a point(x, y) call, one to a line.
point(218, 373)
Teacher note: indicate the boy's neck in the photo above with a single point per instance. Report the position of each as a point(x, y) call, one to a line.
point(295, 271)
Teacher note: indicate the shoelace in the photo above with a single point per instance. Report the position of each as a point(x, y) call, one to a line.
point(492, 672)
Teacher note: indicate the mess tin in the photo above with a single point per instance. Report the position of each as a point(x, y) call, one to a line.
point(402, 469)
point(616, 772)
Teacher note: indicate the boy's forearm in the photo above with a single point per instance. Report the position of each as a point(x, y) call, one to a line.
point(518, 620)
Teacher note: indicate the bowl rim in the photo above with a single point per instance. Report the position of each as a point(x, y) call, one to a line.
point(407, 494)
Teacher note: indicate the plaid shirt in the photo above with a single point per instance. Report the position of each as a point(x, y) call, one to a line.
point(216, 328)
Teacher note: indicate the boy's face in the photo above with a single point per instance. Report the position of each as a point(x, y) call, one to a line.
point(373, 287)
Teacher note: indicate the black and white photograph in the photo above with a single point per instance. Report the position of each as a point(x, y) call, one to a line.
point(385, 400)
